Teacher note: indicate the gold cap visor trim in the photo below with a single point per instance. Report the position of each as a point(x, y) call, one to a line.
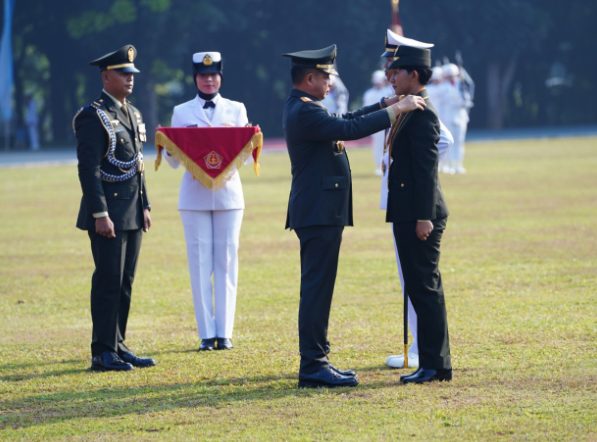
point(120, 66)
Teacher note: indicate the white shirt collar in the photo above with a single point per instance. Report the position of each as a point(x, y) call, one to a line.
point(214, 100)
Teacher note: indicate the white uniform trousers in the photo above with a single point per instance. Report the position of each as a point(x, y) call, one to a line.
point(457, 153)
point(377, 142)
point(412, 315)
point(212, 238)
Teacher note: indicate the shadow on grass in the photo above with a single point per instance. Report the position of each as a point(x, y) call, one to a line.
point(43, 409)
point(45, 374)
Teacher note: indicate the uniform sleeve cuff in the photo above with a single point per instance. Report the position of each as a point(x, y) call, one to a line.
point(391, 113)
point(100, 215)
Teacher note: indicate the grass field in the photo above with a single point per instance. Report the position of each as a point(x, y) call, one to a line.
point(520, 273)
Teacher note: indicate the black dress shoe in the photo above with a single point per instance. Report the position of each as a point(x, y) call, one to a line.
point(207, 344)
point(326, 377)
point(136, 361)
point(408, 376)
point(427, 375)
point(342, 372)
point(109, 361)
point(224, 344)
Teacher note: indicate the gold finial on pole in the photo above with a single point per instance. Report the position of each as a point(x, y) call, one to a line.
point(396, 23)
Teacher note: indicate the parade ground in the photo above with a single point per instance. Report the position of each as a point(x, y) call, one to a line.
point(519, 267)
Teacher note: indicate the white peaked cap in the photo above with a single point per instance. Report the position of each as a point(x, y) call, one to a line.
point(399, 40)
point(450, 70)
point(378, 77)
point(199, 57)
point(437, 73)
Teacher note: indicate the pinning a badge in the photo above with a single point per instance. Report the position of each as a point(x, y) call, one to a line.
point(213, 160)
point(207, 60)
point(131, 54)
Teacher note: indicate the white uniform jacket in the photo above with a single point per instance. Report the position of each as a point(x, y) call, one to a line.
point(193, 195)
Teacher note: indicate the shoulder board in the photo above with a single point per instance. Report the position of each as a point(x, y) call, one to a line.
point(97, 104)
point(306, 100)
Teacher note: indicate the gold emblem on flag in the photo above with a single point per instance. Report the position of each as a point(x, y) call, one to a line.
point(131, 54)
point(213, 160)
point(207, 60)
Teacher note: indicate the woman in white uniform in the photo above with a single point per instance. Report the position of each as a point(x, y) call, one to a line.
point(211, 217)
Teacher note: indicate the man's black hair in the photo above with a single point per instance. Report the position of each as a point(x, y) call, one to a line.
point(298, 73)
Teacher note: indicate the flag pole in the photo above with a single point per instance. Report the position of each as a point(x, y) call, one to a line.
point(405, 317)
point(397, 28)
point(396, 22)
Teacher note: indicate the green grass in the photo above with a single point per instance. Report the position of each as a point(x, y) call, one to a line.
point(520, 272)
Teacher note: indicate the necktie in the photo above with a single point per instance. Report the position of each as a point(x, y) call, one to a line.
point(209, 104)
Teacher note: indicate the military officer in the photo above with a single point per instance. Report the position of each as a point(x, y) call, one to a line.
point(211, 218)
point(114, 208)
point(446, 140)
point(320, 202)
point(418, 212)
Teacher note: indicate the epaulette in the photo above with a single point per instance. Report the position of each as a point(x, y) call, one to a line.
point(97, 103)
point(309, 100)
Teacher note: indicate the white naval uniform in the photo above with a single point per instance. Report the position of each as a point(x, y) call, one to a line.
point(372, 96)
point(445, 142)
point(212, 221)
point(455, 115)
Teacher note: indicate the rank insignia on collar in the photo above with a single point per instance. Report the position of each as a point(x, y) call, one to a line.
point(306, 99)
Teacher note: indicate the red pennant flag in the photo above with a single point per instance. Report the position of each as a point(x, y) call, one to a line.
point(210, 154)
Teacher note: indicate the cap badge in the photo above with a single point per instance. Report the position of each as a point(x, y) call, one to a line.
point(207, 60)
point(131, 54)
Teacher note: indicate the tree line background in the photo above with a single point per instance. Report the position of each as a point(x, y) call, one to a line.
point(533, 61)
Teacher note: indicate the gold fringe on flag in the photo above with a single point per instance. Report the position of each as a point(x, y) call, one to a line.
point(255, 143)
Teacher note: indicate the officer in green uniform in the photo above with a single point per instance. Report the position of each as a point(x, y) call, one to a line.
point(320, 202)
point(114, 208)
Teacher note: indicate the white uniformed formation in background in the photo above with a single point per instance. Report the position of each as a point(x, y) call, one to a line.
point(451, 91)
point(380, 88)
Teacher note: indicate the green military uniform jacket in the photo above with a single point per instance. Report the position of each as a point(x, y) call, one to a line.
point(102, 192)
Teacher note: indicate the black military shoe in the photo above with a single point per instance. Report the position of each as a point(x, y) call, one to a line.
point(109, 361)
point(423, 375)
point(136, 361)
point(326, 377)
point(207, 344)
point(342, 372)
point(224, 344)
